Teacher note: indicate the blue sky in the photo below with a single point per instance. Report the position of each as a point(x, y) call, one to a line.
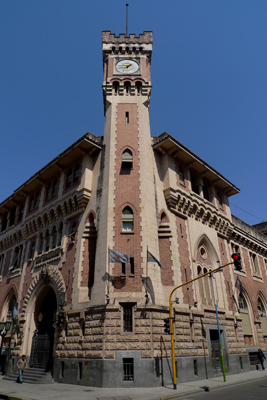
point(209, 77)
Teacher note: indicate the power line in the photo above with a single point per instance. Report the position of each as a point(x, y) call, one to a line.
point(246, 212)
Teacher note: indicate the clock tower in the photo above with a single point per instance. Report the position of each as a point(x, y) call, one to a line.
point(127, 207)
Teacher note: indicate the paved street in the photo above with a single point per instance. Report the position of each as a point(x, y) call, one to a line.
point(253, 390)
point(191, 390)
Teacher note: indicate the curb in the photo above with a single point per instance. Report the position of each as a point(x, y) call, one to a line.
point(4, 396)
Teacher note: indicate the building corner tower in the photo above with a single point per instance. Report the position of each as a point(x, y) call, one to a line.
point(127, 211)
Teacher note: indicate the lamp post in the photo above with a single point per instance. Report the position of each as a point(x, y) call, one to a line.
point(4, 328)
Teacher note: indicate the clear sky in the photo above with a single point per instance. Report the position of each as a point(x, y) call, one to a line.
point(209, 77)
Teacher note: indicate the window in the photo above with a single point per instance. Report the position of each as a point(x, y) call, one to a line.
point(59, 236)
point(2, 264)
point(127, 220)
point(127, 159)
point(47, 241)
point(205, 190)
point(4, 222)
point(220, 199)
point(31, 203)
point(73, 231)
point(48, 191)
point(12, 216)
point(194, 185)
point(123, 268)
point(127, 117)
point(41, 244)
point(127, 87)
point(31, 253)
point(254, 264)
point(181, 175)
point(128, 318)
point(243, 310)
point(76, 174)
point(15, 263)
point(73, 176)
point(262, 315)
point(34, 201)
point(128, 369)
point(69, 178)
point(116, 87)
point(132, 265)
point(138, 87)
point(54, 188)
point(54, 237)
point(20, 213)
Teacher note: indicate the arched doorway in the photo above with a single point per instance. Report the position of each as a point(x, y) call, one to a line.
point(43, 338)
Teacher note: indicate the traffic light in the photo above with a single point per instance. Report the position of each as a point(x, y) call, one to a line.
point(237, 263)
point(167, 328)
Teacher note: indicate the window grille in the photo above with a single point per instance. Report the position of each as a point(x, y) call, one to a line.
point(128, 369)
point(128, 318)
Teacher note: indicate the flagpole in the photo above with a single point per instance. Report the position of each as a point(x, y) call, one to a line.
point(146, 269)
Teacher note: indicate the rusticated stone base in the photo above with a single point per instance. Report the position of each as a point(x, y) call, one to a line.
point(146, 372)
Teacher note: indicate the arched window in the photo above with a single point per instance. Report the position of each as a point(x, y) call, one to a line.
point(181, 175)
point(127, 159)
point(243, 310)
point(127, 220)
point(76, 174)
point(262, 315)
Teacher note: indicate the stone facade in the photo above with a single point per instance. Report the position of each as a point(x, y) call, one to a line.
point(95, 322)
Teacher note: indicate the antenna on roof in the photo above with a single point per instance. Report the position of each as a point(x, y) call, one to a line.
point(127, 5)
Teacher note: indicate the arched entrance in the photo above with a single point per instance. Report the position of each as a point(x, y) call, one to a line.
point(43, 338)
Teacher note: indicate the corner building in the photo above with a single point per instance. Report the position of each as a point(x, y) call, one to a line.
point(93, 322)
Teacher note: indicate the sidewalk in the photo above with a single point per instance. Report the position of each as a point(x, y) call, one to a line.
point(58, 391)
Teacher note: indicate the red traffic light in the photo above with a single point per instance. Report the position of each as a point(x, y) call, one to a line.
point(237, 261)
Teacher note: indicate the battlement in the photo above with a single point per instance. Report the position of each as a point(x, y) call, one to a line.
point(123, 44)
point(143, 38)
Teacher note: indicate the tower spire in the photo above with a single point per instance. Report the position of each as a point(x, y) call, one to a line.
point(127, 5)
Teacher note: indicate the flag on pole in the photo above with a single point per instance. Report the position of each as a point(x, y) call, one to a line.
point(116, 257)
point(151, 258)
point(239, 286)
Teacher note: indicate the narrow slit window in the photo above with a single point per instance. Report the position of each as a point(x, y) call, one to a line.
point(123, 270)
point(127, 117)
point(128, 318)
point(132, 265)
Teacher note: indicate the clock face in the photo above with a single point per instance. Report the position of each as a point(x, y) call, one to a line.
point(127, 66)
